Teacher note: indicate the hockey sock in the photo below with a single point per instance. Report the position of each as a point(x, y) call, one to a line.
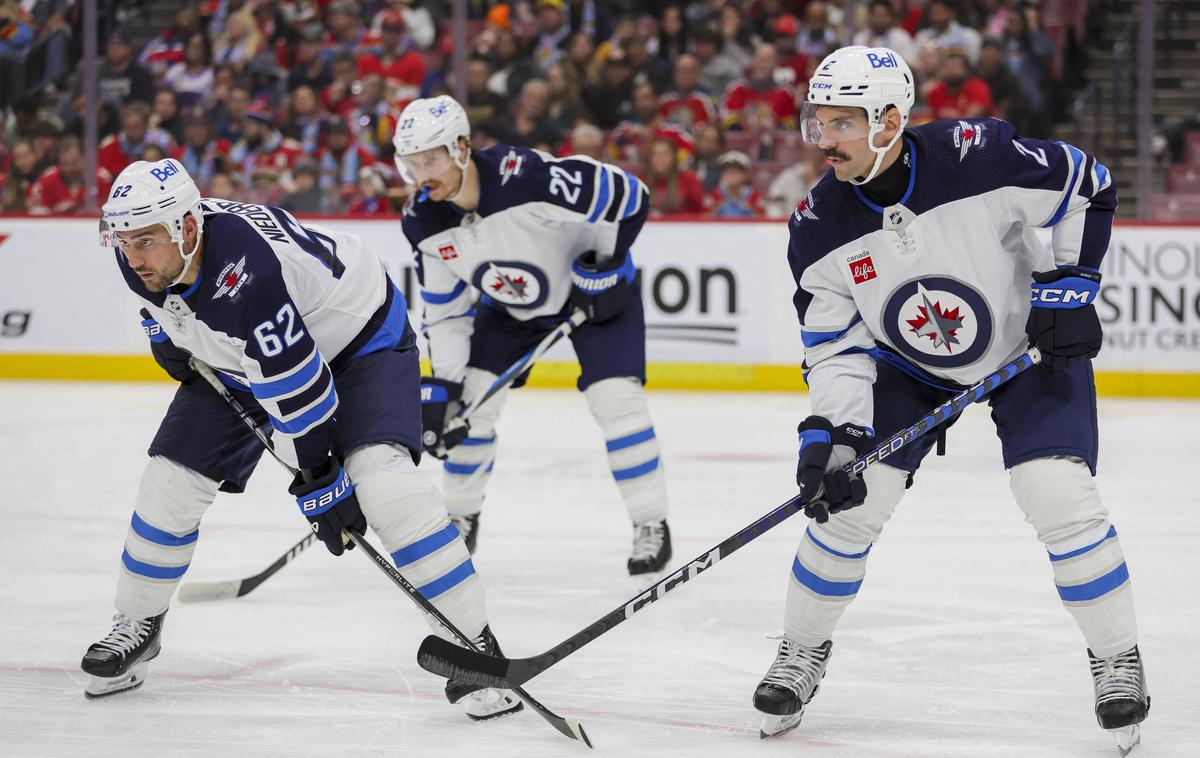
point(619, 406)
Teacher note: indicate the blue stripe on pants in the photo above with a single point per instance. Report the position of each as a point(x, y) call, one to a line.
point(154, 572)
point(629, 440)
point(447, 581)
point(158, 536)
point(634, 472)
point(426, 545)
point(1095, 588)
point(823, 586)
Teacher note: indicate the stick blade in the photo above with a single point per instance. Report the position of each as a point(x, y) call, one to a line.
point(444, 658)
point(202, 592)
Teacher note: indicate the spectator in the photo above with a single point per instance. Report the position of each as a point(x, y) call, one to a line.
point(45, 135)
point(482, 104)
point(169, 48)
point(305, 196)
point(54, 34)
point(632, 136)
point(908, 16)
point(648, 66)
point(587, 139)
point(759, 101)
point(687, 105)
point(816, 35)
point(233, 122)
point(1008, 101)
point(787, 32)
point(581, 59)
point(566, 104)
point(16, 181)
point(735, 35)
point(552, 33)
point(882, 31)
point(673, 190)
point(227, 187)
point(716, 70)
point(305, 119)
point(309, 67)
point(121, 80)
point(1029, 53)
point(945, 30)
point(266, 81)
point(165, 115)
point(203, 155)
point(338, 97)
point(16, 40)
point(262, 155)
point(345, 30)
point(123, 148)
point(529, 125)
point(958, 94)
point(703, 12)
point(393, 58)
point(372, 199)
point(590, 17)
point(152, 154)
point(608, 101)
point(106, 117)
point(710, 143)
point(341, 160)
point(61, 189)
point(764, 15)
point(372, 118)
point(418, 21)
point(192, 78)
point(673, 33)
point(512, 70)
point(790, 186)
point(240, 41)
point(733, 197)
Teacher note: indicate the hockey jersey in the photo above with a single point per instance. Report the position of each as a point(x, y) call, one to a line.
point(536, 214)
point(277, 309)
point(939, 283)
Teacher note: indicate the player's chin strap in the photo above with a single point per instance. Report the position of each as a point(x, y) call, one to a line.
point(187, 257)
point(880, 152)
point(465, 167)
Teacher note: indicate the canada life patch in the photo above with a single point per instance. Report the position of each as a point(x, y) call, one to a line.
point(862, 268)
point(447, 252)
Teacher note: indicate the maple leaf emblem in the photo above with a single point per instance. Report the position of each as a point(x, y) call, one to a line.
point(515, 285)
point(935, 322)
point(230, 280)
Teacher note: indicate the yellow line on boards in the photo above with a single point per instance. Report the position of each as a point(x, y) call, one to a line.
point(563, 374)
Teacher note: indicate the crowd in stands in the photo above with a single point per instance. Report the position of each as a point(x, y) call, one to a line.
point(294, 102)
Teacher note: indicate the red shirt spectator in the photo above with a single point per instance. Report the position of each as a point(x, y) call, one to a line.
point(959, 95)
point(733, 196)
point(117, 151)
point(687, 105)
point(392, 58)
point(61, 189)
point(673, 190)
point(760, 100)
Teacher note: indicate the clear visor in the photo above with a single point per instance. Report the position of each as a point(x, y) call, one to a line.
point(823, 123)
point(427, 164)
point(137, 240)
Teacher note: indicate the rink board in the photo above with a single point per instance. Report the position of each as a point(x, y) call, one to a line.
point(718, 301)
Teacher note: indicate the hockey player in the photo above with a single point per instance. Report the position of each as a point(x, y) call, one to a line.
point(915, 259)
point(537, 237)
point(305, 327)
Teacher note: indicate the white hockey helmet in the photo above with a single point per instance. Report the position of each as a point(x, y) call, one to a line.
point(428, 123)
point(145, 194)
point(871, 78)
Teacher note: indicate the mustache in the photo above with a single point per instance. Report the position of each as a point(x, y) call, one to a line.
point(835, 154)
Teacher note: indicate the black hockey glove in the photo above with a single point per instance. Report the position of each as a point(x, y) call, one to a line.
point(442, 430)
point(173, 360)
point(602, 288)
point(823, 452)
point(1062, 318)
point(326, 498)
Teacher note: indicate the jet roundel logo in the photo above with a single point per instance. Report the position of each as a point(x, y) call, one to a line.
point(513, 284)
point(938, 321)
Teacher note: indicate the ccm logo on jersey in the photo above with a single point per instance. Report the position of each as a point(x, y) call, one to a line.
point(1061, 296)
point(447, 252)
point(862, 268)
point(883, 61)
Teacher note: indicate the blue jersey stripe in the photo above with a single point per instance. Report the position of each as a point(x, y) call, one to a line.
point(478, 441)
point(447, 581)
point(267, 390)
point(602, 198)
point(150, 570)
point(425, 546)
point(464, 469)
point(625, 474)
point(160, 537)
point(302, 423)
point(441, 298)
point(814, 338)
point(633, 197)
point(823, 586)
point(1076, 165)
point(1095, 588)
point(391, 331)
point(629, 440)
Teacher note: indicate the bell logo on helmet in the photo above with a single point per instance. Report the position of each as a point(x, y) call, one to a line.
point(883, 61)
point(167, 170)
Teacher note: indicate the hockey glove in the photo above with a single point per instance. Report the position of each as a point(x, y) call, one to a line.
point(326, 498)
point(602, 288)
point(442, 429)
point(173, 360)
point(823, 452)
point(1062, 318)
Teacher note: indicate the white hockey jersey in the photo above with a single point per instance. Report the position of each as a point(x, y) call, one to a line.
point(536, 214)
point(277, 308)
point(939, 284)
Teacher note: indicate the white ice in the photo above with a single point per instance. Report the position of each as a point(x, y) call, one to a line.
point(956, 646)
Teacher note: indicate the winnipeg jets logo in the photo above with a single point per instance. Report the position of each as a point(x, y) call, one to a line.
point(513, 284)
point(938, 321)
point(515, 287)
point(439, 109)
point(967, 136)
point(805, 208)
point(938, 324)
point(510, 166)
point(231, 279)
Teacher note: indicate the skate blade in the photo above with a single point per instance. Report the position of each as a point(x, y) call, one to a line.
point(774, 726)
point(100, 686)
point(484, 705)
point(1127, 738)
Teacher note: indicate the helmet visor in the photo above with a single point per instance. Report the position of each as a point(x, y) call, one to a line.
point(427, 164)
point(824, 123)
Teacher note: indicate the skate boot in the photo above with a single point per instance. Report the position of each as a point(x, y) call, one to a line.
point(468, 527)
point(651, 547)
point(790, 683)
point(118, 662)
point(482, 703)
point(1122, 701)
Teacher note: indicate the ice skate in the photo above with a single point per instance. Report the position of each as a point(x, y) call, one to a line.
point(789, 685)
point(1122, 702)
point(651, 547)
point(482, 703)
point(117, 663)
point(468, 528)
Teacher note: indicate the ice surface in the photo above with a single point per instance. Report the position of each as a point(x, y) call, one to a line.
point(957, 645)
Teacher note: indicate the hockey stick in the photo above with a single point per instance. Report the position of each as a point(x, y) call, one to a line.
point(199, 592)
point(568, 727)
point(440, 657)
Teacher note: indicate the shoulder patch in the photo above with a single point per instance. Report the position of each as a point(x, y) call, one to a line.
point(966, 136)
point(510, 166)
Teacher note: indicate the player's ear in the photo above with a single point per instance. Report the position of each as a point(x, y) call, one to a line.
point(891, 125)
